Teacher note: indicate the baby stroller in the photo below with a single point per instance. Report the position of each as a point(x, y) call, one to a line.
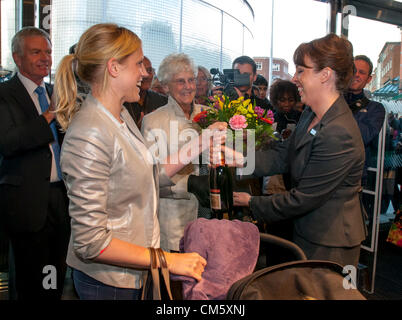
point(300, 279)
point(232, 251)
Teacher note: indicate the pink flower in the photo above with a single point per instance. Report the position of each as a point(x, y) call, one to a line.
point(238, 122)
point(270, 114)
point(259, 111)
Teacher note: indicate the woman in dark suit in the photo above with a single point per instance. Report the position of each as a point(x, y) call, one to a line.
point(324, 157)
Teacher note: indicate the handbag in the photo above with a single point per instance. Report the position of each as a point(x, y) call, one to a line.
point(395, 232)
point(157, 280)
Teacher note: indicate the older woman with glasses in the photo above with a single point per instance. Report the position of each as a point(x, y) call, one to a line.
point(168, 128)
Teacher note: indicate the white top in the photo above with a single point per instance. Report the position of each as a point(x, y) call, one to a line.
point(146, 155)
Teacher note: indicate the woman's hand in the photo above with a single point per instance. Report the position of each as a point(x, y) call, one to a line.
point(221, 126)
point(186, 264)
point(241, 199)
point(213, 136)
point(233, 158)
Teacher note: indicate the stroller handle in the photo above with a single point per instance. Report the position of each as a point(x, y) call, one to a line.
point(288, 245)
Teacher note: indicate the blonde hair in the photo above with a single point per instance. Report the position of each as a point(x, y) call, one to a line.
point(96, 46)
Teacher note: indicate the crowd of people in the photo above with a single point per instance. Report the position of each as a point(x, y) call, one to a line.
point(91, 173)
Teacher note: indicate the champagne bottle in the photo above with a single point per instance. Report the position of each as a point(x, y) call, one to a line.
point(221, 189)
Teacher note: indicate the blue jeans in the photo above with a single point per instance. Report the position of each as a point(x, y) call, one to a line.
point(90, 289)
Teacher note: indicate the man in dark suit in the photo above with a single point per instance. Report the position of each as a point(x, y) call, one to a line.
point(33, 200)
point(368, 114)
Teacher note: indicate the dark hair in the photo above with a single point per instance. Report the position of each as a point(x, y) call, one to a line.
point(245, 60)
point(72, 49)
point(279, 88)
point(366, 59)
point(260, 81)
point(329, 51)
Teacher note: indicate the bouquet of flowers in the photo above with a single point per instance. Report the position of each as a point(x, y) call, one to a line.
point(240, 114)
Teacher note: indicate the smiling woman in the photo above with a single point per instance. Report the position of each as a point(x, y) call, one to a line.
point(178, 206)
point(112, 187)
point(324, 158)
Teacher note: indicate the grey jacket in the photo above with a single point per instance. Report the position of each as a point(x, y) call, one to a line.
point(177, 206)
point(113, 191)
point(325, 165)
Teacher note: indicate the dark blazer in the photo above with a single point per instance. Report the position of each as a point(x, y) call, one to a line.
point(25, 159)
point(153, 100)
point(370, 120)
point(325, 166)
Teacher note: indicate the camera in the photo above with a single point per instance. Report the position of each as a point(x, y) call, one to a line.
point(229, 79)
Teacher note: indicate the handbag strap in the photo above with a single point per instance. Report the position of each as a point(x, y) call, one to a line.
point(155, 275)
point(164, 271)
point(156, 254)
point(154, 272)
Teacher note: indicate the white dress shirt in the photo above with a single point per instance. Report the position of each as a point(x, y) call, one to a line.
point(31, 87)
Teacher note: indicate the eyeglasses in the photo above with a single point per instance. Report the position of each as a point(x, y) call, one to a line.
point(182, 82)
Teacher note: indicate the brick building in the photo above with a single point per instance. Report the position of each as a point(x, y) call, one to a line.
point(389, 62)
point(279, 68)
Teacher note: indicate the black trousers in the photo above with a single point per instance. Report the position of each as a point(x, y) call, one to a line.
point(40, 257)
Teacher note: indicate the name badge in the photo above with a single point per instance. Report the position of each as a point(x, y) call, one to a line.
point(313, 132)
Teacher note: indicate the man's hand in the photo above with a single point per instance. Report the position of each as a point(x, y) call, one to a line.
point(49, 115)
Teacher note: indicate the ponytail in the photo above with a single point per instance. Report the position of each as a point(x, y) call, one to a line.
point(65, 90)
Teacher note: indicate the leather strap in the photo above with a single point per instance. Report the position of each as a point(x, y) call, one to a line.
point(164, 271)
point(156, 254)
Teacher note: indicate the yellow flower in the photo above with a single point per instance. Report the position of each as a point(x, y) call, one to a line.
point(241, 110)
point(220, 104)
point(250, 108)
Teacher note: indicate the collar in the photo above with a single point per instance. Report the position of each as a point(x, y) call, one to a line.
point(338, 107)
point(351, 97)
point(29, 84)
point(178, 110)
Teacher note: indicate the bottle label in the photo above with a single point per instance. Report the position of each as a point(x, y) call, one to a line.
point(215, 199)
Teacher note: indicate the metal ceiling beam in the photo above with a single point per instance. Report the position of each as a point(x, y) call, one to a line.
point(387, 11)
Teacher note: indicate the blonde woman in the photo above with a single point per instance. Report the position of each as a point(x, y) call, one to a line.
point(111, 178)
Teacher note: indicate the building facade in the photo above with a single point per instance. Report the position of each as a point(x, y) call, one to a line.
point(389, 60)
point(212, 32)
point(280, 68)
